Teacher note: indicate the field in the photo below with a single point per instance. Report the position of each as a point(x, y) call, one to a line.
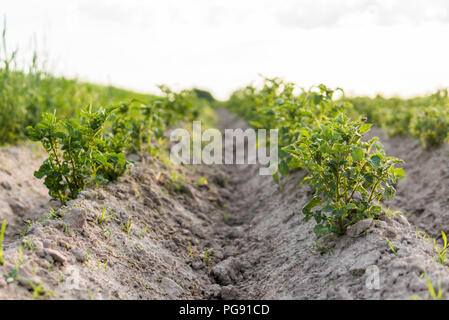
point(92, 207)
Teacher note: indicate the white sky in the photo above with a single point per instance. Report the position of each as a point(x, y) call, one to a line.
point(364, 46)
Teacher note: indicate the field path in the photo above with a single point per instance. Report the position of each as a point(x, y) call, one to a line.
point(277, 256)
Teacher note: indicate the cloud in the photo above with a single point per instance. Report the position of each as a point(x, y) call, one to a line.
point(310, 14)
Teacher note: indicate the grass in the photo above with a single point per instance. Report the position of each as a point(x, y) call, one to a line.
point(28, 91)
point(435, 295)
point(28, 244)
point(206, 259)
point(2, 236)
point(391, 246)
point(442, 253)
point(144, 231)
point(102, 218)
point(39, 292)
point(127, 226)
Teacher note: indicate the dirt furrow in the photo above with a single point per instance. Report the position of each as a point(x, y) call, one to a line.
point(238, 236)
point(278, 256)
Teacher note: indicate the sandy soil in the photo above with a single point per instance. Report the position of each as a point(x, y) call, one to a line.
point(423, 195)
point(239, 236)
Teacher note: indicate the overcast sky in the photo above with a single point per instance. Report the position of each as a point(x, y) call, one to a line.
point(364, 46)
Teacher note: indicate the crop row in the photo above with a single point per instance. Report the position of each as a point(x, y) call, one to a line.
point(91, 149)
point(425, 118)
point(350, 176)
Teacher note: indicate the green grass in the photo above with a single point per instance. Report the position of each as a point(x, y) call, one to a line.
point(2, 235)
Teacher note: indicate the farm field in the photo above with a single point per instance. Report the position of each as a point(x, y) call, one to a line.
point(146, 160)
point(158, 230)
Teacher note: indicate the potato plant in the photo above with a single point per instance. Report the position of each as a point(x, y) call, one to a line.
point(350, 176)
point(425, 118)
point(79, 153)
point(278, 106)
point(91, 149)
point(430, 126)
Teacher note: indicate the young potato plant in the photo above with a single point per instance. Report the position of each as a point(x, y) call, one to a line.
point(350, 176)
point(430, 126)
point(277, 106)
point(79, 153)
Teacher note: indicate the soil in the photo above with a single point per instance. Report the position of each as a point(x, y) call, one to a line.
point(240, 236)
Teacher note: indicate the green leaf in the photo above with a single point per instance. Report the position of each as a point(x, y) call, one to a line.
point(276, 177)
point(365, 127)
point(357, 154)
point(399, 173)
point(316, 201)
point(321, 230)
point(375, 161)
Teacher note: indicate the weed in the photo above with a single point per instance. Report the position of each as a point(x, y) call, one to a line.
point(142, 234)
point(323, 249)
point(28, 244)
point(433, 294)
point(442, 253)
point(127, 226)
point(202, 181)
point(102, 218)
point(2, 236)
point(206, 259)
point(12, 276)
point(39, 292)
point(391, 246)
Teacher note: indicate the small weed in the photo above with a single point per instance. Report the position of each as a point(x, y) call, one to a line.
point(422, 235)
point(322, 249)
point(20, 262)
point(144, 231)
point(2, 236)
point(441, 252)
point(28, 244)
point(24, 232)
point(391, 246)
point(206, 259)
point(101, 265)
point(39, 291)
point(107, 232)
point(433, 294)
point(127, 226)
point(202, 181)
point(102, 218)
point(12, 276)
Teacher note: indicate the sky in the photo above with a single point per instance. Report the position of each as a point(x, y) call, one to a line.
point(364, 46)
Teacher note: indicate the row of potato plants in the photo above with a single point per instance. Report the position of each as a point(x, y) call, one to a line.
point(425, 118)
point(350, 175)
point(91, 149)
